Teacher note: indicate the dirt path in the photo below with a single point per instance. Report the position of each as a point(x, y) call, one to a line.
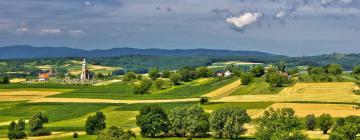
point(84, 100)
point(223, 91)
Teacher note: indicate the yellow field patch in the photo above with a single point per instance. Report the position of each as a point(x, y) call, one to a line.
point(335, 110)
point(25, 95)
point(93, 68)
point(45, 67)
point(304, 92)
point(224, 91)
point(17, 80)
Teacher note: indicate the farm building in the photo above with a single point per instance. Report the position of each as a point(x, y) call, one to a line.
point(224, 74)
point(43, 76)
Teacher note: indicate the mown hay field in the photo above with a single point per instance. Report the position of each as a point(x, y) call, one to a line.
point(336, 92)
point(335, 110)
point(25, 95)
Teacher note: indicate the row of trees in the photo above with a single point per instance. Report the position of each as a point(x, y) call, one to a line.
point(185, 74)
point(276, 77)
point(326, 73)
point(342, 129)
point(17, 129)
point(228, 122)
point(192, 121)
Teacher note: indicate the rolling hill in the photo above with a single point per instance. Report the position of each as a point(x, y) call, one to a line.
point(25, 51)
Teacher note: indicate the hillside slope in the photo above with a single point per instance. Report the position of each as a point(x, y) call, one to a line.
point(25, 51)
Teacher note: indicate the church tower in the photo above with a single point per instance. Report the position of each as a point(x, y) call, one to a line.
point(84, 74)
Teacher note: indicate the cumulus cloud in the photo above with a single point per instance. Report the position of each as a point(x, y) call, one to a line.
point(243, 20)
point(50, 31)
point(77, 33)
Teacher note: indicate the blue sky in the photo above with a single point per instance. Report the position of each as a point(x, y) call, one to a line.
point(288, 27)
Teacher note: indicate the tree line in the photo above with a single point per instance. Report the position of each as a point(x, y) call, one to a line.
point(228, 122)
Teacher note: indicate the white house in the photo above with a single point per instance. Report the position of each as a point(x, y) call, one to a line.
point(227, 74)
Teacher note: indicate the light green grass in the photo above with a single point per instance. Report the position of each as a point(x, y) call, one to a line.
point(125, 91)
point(54, 111)
point(257, 86)
point(124, 119)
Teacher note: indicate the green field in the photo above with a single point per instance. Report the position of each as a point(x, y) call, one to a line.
point(257, 86)
point(42, 86)
point(125, 91)
point(54, 111)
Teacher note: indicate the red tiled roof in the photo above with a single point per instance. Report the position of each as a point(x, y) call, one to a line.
point(43, 76)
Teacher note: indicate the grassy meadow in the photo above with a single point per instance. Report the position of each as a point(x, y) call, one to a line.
point(124, 91)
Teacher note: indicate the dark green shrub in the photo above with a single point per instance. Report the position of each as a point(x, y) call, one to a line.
point(75, 135)
point(94, 124)
point(204, 100)
point(310, 122)
point(246, 78)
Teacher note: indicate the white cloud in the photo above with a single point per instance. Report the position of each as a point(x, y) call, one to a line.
point(281, 13)
point(21, 31)
point(77, 33)
point(87, 3)
point(50, 31)
point(244, 19)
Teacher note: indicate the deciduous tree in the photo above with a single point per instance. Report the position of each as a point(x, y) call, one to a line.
point(152, 121)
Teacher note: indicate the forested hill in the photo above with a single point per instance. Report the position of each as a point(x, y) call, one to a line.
point(24, 51)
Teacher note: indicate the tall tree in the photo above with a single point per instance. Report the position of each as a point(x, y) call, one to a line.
point(197, 121)
point(279, 124)
point(325, 122)
point(152, 121)
point(94, 124)
point(154, 74)
point(229, 121)
point(258, 70)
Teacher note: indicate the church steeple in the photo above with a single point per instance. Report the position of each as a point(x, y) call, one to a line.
point(84, 74)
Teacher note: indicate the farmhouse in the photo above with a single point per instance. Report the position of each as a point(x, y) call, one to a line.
point(43, 76)
point(85, 73)
point(224, 74)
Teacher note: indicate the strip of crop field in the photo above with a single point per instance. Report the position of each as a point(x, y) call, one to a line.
point(124, 91)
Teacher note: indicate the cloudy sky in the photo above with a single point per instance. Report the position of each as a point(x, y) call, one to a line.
point(289, 27)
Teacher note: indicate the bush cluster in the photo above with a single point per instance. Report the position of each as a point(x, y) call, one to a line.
point(36, 125)
point(17, 130)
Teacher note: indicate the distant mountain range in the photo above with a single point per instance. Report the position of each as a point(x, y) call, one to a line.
point(25, 51)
